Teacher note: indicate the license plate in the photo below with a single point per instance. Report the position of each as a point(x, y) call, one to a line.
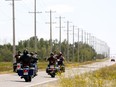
point(25, 73)
point(58, 59)
point(52, 66)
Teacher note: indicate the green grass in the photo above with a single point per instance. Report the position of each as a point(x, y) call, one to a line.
point(42, 65)
point(105, 77)
point(7, 67)
point(75, 64)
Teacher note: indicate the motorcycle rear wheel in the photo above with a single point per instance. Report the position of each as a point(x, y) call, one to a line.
point(53, 75)
point(27, 78)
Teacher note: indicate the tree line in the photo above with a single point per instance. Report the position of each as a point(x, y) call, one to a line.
point(82, 51)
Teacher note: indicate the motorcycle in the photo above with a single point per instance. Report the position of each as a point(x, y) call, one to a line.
point(61, 68)
point(51, 70)
point(14, 67)
point(26, 72)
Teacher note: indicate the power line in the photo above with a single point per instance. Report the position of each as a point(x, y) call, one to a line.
point(60, 28)
point(73, 40)
point(35, 12)
point(13, 14)
point(68, 40)
point(50, 28)
point(78, 45)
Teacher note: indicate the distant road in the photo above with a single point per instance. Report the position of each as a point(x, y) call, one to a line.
point(13, 80)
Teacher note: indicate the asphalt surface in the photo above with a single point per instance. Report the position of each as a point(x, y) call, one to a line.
point(13, 80)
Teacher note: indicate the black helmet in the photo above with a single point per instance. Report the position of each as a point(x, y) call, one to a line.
point(25, 52)
point(19, 52)
point(51, 54)
point(31, 53)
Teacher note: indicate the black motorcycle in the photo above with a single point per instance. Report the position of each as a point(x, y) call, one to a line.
point(61, 68)
point(26, 72)
point(52, 70)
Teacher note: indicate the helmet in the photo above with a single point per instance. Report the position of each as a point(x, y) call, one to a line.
point(60, 53)
point(31, 53)
point(19, 52)
point(25, 52)
point(51, 54)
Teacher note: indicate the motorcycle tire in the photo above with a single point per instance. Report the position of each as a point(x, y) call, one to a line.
point(53, 75)
point(27, 79)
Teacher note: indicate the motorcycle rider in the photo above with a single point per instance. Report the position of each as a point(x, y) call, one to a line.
point(60, 59)
point(25, 59)
point(34, 60)
point(17, 57)
point(60, 62)
point(33, 57)
point(51, 60)
point(55, 54)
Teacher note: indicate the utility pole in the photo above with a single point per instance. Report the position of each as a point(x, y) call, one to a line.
point(68, 40)
point(85, 36)
point(13, 10)
point(82, 43)
point(50, 30)
point(35, 26)
point(73, 40)
point(93, 45)
point(88, 38)
point(82, 36)
point(60, 32)
point(35, 36)
point(67, 54)
point(78, 43)
point(13, 16)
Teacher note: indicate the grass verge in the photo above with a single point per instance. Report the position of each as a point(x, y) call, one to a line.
point(105, 77)
point(7, 67)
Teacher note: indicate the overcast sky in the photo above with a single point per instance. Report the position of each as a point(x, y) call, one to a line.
point(97, 17)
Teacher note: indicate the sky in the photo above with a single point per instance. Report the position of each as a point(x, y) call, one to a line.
point(97, 17)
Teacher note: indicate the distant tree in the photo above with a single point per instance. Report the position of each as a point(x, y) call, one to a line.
point(86, 52)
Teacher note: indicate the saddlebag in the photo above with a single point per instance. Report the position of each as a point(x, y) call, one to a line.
point(31, 71)
point(20, 72)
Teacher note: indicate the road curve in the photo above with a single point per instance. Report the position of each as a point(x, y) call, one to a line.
point(13, 80)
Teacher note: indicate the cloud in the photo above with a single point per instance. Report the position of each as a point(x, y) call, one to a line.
point(61, 8)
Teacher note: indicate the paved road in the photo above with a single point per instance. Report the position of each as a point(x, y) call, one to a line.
point(13, 80)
